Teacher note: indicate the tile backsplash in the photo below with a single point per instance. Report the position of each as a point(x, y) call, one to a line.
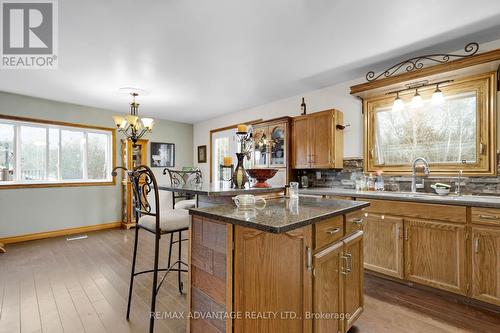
point(353, 168)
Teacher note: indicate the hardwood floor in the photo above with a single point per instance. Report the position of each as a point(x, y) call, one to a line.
point(56, 285)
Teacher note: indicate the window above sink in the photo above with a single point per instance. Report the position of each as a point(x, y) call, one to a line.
point(457, 134)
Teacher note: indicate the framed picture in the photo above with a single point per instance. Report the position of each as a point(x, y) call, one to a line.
point(162, 155)
point(202, 154)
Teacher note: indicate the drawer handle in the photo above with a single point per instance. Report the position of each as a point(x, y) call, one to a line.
point(333, 231)
point(357, 221)
point(489, 217)
point(309, 258)
point(476, 245)
point(345, 268)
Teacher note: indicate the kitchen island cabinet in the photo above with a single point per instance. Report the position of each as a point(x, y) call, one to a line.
point(265, 271)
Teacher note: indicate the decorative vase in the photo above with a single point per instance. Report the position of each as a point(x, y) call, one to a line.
point(240, 177)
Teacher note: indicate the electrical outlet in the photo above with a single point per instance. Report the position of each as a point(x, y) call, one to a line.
point(318, 174)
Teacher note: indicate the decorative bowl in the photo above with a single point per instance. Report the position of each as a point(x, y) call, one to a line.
point(262, 175)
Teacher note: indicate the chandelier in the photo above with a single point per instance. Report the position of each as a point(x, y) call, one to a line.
point(132, 126)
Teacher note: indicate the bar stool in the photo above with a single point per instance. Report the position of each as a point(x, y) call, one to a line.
point(181, 178)
point(157, 221)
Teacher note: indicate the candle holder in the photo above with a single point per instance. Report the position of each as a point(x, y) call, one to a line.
point(240, 177)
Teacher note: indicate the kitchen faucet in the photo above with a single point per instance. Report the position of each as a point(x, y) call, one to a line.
point(414, 184)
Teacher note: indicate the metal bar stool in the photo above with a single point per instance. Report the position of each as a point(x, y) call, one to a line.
point(158, 222)
point(181, 178)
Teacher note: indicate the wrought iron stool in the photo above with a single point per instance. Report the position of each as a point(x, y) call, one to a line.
point(181, 178)
point(159, 222)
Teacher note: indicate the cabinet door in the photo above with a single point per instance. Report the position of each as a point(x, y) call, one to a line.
point(321, 139)
point(353, 278)
point(327, 289)
point(273, 272)
point(261, 147)
point(486, 264)
point(300, 143)
point(383, 244)
point(435, 254)
point(278, 145)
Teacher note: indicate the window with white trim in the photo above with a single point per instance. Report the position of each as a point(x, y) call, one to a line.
point(43, 153)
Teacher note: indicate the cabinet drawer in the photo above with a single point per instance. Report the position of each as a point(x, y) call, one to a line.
point(487, 216)
point(354, 221)
point(418, 210)
point(328, 231)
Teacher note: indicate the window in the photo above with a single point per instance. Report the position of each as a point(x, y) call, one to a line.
point(457, 134)
point(37, 153)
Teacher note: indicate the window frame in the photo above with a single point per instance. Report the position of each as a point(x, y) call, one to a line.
point(61, 126)
point(485, 86)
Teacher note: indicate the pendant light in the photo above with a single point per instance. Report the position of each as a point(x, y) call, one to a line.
point(398, 104)
point(131, 125)
point(437, 96)
point(416, 100)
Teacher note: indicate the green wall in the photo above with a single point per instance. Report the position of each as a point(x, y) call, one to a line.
point(32, 210)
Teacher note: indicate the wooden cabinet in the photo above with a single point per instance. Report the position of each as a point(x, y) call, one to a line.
point(383, 244)
point(328, 289)
point(317, 143)
point(353, 279)
point(486, 264)
point(338, 285)
point(435, 254)
point(272, 273)
point(131, 157)
point(271, 148)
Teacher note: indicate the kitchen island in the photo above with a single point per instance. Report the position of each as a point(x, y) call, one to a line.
point(294, 266)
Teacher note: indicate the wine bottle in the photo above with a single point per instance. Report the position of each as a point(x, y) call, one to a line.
point(303, 107)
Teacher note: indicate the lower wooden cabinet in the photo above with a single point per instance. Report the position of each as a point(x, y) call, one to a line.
point(435, 254)
point(328, 288)
point(353, 279)
point(383, 244)
point(338, 285)
point(486, 264)
point(272, 274)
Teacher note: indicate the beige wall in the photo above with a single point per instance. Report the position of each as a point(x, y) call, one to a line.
point(32, 210)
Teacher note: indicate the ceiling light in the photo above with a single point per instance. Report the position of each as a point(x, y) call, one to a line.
point(398, 103)
point(416, 100)
point(131, 125)
point(437, 96)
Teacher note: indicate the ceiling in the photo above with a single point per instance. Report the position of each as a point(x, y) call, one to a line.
point(200, 59)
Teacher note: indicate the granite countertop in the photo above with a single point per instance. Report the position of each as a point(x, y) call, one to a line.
point(451, 199)
point(217, 189)
point(281, 215)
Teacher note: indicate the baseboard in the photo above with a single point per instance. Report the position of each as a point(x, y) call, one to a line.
point(58, 233)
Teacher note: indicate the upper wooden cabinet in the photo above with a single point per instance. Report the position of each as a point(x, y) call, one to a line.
point(317, 143)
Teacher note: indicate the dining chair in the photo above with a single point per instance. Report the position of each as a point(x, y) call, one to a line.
point(181, 178)
point(157, 221)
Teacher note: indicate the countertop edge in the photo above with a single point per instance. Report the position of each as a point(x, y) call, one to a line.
point(377, 196)
point(279, 230)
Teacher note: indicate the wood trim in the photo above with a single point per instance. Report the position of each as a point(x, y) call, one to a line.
point(58, 233)
point(74, 184)
point(55, 122)
point(477, 59)
point(220, 129)
point(229, 275)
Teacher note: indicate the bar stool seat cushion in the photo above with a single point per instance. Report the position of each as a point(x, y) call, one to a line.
point(185, 204)
point(170, 220)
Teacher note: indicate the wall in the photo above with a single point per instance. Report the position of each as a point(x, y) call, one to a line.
point(32, 210)
point(335, 96)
